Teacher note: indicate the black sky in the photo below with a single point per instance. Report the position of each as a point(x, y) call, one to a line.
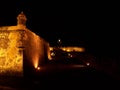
point(93, 26)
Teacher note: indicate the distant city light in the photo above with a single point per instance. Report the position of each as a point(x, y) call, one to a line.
point(70, 55)
point(52, 54)
point(87, 64)
point(38, 68)
point(59, 41)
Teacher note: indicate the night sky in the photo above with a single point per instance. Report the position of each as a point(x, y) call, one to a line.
point(93, 26)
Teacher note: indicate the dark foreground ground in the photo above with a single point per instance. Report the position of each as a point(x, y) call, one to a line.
point(68, 77)
point(81, 78)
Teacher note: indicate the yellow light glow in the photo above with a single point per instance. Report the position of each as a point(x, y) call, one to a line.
point(51, 48)
point(35, 63)
point(48, 52)
point(63, 49)
point(70, 49)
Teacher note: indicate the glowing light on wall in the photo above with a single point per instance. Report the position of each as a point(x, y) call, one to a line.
point(36, 48)
point(35, 60)
point(35, 64)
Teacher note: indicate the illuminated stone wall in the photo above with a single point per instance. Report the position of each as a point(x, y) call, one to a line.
point(11, 55)
point(15, 45)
